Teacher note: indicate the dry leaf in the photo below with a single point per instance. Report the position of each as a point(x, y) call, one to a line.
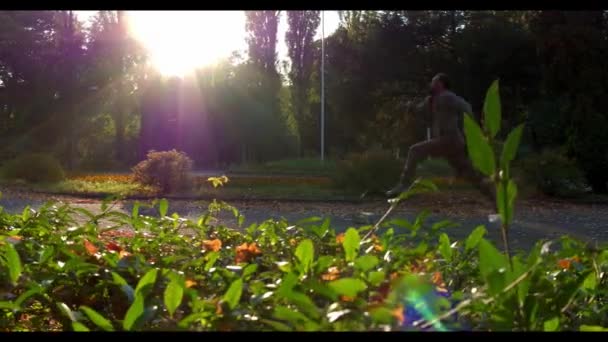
point(246, 252)
point(212, 245)
point(91, 249)
point(332, 274)
point(398, 314)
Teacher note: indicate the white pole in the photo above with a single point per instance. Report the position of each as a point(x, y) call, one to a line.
point(322, 85)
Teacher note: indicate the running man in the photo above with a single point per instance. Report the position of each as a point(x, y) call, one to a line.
point(446, 110)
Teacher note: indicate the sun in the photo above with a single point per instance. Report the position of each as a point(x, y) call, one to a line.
point(178, 42)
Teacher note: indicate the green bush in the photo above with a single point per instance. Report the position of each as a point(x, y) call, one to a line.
point(553, 174)
point(34, 168)
point(59, 275)
point(169, 171)
point(374, 171)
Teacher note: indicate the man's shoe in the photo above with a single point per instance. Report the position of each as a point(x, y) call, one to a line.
point(396, 191)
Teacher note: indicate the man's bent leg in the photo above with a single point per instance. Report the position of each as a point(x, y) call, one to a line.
point(417, 153)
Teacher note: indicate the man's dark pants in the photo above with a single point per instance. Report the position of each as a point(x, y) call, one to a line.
point(453, 149)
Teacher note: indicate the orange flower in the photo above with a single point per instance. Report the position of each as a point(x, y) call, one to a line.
point(438, 279)
point(564, 264)
point(332, 274)
point(378, 247)
point(347, 299)
point(340, 238)
point(398, 314)
point(212, 245)
point(123, 254)
point(246, 252)
point(394, 276)
point(190, 283)
point(293, 242)
point(91, 249)
point(111, 246)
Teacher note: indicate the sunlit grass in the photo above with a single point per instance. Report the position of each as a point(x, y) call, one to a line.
point(108, 187)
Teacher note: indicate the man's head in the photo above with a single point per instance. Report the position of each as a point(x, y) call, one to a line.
point(440, 83)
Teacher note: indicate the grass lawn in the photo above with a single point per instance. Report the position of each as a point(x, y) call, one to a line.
point(305, 166)
point(279, 184)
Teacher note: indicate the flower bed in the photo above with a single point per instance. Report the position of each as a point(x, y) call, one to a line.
point(172, 273)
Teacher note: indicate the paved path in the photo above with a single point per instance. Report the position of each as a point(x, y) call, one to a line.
point(533, 220)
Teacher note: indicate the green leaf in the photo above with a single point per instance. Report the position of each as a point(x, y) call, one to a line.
point(524, 286)
point(278, 326)
point(118, 279)
point(8, 305)
point(474, 238)
point(490, 259)
point(233, 295)
point(284, 266)
point(26, 213)
point(27, 294)
point(508, 206)
point(136, 310)
point(97, 319)
point(147, 280)
point(509, 150)
point(163, 207)
point(351, 244)
point(66, 311)
point(479, 149)
point(444, 247)
point(381, 315)
point(492, 266)
point(491, 109)
point(592, 328)
point(375, 278)
point(46, 254)
point(14, 263)
point(288, 282)
point(305, 253)
point(249, 270)
point(323, 262)
point(77, 326)
point(348, 286)
point(135, 210)
point(286, 314)
point(443, 224)
point(590, 282)
point(173, 296)
point(211, 259)
point(304, 304)
point(366, 262)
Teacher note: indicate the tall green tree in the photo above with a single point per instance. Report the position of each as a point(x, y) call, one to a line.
point(302, 27)
point(265, 85)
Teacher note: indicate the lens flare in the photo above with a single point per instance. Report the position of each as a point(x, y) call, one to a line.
point(422, 301)
point(420, 306)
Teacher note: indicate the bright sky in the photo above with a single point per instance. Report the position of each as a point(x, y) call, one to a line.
point(179, 41)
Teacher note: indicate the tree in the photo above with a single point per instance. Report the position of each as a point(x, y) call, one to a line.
point(118, 62)
point(302, 26)
point(265, 84)
point(572, 47)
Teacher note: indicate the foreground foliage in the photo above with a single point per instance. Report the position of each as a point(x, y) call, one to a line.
point(166, 272)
